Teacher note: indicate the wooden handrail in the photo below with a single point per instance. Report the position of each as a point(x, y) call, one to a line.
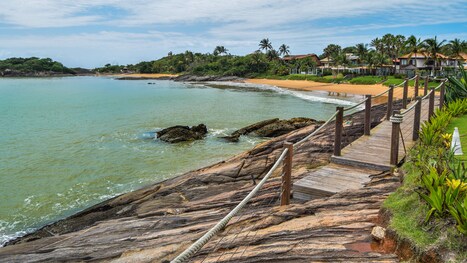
point(396, 123)
point(431, 103)
point(287, 174)
point(367, 115)
point(417, 79)
point(338, 131)
point(416, 121)
point(390, 99)
point(405, 93)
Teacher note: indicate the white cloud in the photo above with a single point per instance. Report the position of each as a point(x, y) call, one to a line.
point(307, 26)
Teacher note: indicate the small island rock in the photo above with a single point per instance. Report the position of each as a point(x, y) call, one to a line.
point(182, 133)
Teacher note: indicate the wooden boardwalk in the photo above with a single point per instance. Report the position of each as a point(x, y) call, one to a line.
point(366, 156)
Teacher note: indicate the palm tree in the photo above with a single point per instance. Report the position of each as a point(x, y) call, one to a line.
point(265, 44)
point(433, 47)
point(413, 46)
point(377, 44)
point(455, 47)
point(220, 50)
point(284, 50)
point(272, 54)
point(361, 50)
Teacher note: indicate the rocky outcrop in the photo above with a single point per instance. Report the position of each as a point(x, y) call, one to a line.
point(156, 223)
point(271, 128)
point(182, 133)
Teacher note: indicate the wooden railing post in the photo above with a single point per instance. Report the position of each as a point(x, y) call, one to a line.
point(287, 174)
point(425, 87)
point(396, 120)
point(417, 79)
point(390, 99)
point(338, 134)
point(442, 91)
point(431, 103)
point(367, 115)
point(416, 120)
point(405, 93)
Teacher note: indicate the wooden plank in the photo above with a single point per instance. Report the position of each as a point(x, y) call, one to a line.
point(363, 157)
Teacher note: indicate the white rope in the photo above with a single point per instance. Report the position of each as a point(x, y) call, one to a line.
point(316, 131)
point(195, 247)
point(356, 105)
point(381, 94)
point(409, 109)
point(396, 118)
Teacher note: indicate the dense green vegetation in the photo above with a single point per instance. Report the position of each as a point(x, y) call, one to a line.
point(430, 208)
point(266, 61)
point(32, 65)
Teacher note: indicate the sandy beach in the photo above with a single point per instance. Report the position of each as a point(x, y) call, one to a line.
point(306, 85)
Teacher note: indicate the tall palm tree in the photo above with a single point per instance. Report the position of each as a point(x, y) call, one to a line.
point(265, 44)
point(284, 50)
point(455, 47)
point(362, 51)
point(399, 43)
point(413, 46)
point(433, 47)
point(219, 50)
point(377, 44)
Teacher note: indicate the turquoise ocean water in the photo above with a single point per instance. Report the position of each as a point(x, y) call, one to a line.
point(68, 143)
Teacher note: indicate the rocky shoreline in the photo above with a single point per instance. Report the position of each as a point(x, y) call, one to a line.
point(157, 222)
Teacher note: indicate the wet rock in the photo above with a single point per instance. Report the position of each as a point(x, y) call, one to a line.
point(271, 128)
point(182, 133)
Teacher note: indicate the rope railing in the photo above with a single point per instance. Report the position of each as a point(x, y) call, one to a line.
point(195, 247)
point(287, 153)
point(428, 95)
point(297, 144)
point(356, 105)
point(381, 94)
point(409, 109)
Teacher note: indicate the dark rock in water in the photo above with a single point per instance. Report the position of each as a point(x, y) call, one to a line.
point(231, 138)
point(182, 133)
point(275, 129)
point(271, 128)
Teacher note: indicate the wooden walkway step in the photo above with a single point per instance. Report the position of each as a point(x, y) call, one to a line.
point(330, 179)
point(363, 157)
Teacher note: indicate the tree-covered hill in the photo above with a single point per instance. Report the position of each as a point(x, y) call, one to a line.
point(33, 66)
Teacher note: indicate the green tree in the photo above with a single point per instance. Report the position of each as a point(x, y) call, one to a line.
point(332, 51)
point(413, 46)
point(272, 54)
point(455, 47)
point(284, 50)
point(434, 47)
point(361, 50)
point(219, 50)
point(265, 44)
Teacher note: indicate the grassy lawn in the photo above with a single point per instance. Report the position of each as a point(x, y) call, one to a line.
point(366, 80)
point(391, 80)
point(461, 124)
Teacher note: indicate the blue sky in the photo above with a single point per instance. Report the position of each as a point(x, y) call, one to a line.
point(91, 33)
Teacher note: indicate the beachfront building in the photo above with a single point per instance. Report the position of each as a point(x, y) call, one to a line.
point(302, 64)
point(327, 62)
point(409, 63)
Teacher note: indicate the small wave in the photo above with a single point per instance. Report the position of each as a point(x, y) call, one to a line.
point(217, 132)
point(299, 94)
